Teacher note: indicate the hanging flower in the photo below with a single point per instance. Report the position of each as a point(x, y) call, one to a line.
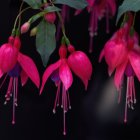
point(122, 52)
point(130, 67)
point(99, 9)
point(61, 74)
point(23, 68)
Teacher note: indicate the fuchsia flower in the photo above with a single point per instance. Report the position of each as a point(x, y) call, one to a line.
point(62, 76)
point(122, 52)
point(23, 67)
point(98, 9)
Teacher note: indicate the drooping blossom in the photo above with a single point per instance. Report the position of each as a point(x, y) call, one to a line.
point(23, 68)
point(99, 9)
point(61, 74)
point(124, 56)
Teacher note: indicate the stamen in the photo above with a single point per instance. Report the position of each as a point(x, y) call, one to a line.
point(14, 95)
point(57, 98)
point(3, 81)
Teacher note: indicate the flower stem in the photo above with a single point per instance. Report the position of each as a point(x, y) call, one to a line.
point(14, 28)
point(61, 21)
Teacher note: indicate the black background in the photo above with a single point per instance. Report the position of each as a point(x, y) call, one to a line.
point(34, 117)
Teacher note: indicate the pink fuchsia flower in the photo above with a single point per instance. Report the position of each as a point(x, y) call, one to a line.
point(99, 9)
point(130, 67)
point(23, 68)
point(64, 79)
point(61, 74)
point(8, 55)
point(125, 58)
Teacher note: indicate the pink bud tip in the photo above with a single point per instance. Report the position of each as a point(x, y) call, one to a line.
point(50, 17)
point(25, 27)
point(71, 48)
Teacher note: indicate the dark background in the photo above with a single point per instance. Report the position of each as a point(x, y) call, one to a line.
point(95, 114)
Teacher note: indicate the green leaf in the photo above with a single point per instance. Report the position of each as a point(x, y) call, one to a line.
point(77, 4)
point(35, 4)
point(128, 5)
point(51, 9)
point(45, 40)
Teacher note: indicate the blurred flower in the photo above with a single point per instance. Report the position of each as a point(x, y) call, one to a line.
point(122, 52)
point(99, 9)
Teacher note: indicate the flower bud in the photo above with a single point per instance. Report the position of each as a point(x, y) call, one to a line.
point(71, 48)
point(33, 31)
point(25, 27)
point(50, 17)
point(62, 51)
point(17, 42)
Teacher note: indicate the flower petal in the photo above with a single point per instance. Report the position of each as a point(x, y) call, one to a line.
point(8, 57)
point(134, 59)
point(81, 66)
point(102, 54)
point(29, 67)
point(112, 6)
point(65, 74)
point(24, 77)
point(50, 69)
point(1, 73)
point(119, 74)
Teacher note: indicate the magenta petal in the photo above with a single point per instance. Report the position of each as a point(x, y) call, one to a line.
point(1, 73)
point(134, 59)
point(102, 54)
point(8, 57)
point(50, 69)
point(112, 6)
point(24, 77)
point(77, 12)
point(81, 66)
point(29, 67)
point(110, 71)
point(119, 74)
point(65, 74)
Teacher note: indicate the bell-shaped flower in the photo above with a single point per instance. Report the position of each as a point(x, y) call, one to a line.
point(23, 68)
point(61, 74)
point(130, 67)
point(98, 9)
